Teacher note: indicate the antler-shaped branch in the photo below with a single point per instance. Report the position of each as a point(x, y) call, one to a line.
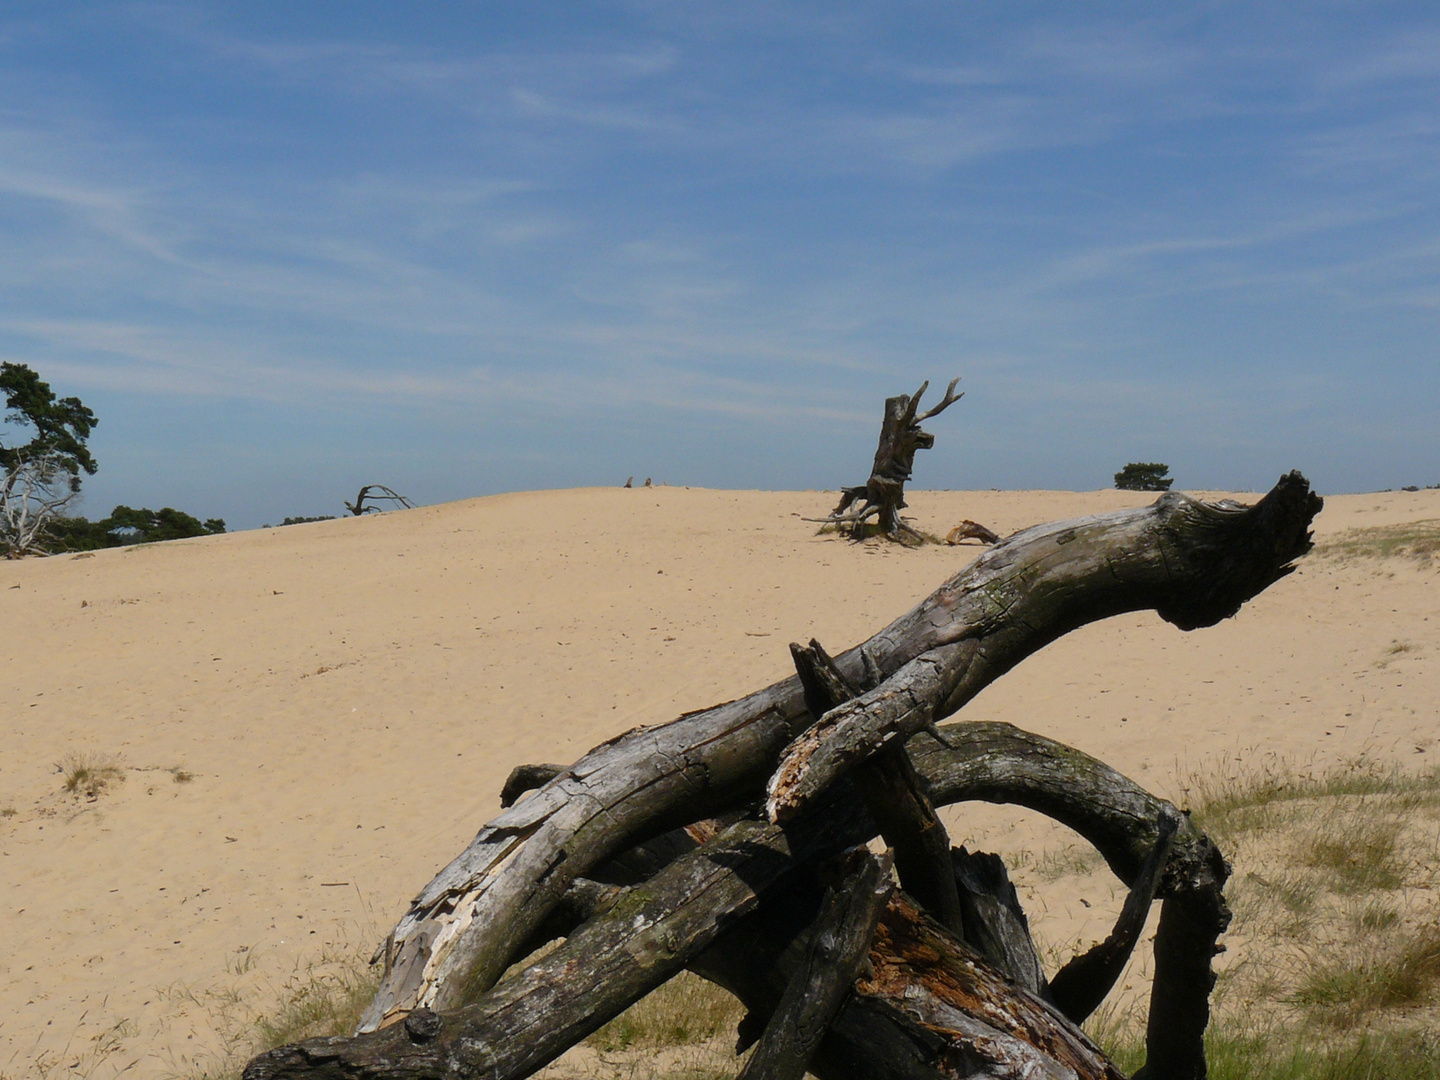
point(949, 399)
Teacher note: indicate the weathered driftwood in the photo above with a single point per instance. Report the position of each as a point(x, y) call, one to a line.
point(1000, 763)
point(970, 1024)
point(995, 924)
point(376, 493)
point(839, 946)
point(1194, 563)
point(929, 1008)
point(882, 496)
point(971, 530)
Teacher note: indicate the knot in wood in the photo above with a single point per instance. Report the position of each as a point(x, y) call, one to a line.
point(422, 1025)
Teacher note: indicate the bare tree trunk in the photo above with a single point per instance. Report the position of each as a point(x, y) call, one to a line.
point(883, 495)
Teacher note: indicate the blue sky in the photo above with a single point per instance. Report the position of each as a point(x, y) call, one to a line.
point(283, 250)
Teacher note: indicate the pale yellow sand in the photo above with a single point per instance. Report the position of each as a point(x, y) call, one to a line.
point(350, 695)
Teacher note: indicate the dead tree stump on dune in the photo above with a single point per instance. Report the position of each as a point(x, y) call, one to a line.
point(882, 496)
point(377, 493)
point(729, 842)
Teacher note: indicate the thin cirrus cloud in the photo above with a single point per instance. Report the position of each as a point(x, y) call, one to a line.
point(740, 228)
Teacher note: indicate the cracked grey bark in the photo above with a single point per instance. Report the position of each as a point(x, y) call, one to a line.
point(1195, 563)
point(891, 791)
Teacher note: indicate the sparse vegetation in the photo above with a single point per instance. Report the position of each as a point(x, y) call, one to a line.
point(1416, 540)
point(89, 775)
point(1334, 970)
point(685, 1010)
point(1336, 944)
point(181, 776)
point(321, 1002)
point(324, 998)
point(1347, 988)
point(1241, 1051)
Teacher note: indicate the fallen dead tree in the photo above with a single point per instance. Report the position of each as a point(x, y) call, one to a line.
point(376, 493)
point(725, 842)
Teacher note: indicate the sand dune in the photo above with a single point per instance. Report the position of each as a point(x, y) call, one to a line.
point(347, 697)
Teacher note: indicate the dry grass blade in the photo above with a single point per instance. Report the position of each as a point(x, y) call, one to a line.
point(687, 1009)
point(1418, 540)
point(1345, 989)
point(89, 774)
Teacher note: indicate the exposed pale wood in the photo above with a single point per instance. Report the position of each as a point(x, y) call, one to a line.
point(1082, 984)
point(1195, 563)
point(839, 946)
point(971, 530)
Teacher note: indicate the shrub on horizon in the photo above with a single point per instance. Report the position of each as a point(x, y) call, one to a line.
point(1144, 476)
point(127, 525)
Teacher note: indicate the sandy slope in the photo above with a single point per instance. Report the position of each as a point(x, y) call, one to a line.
point(349, 696)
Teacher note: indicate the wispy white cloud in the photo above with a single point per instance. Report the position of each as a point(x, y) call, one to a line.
point(770, 221)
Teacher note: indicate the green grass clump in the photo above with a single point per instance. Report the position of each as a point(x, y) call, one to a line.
point(1342, 990)
point(320, 1003)
point(686, 1010)
point(1358, 851)
point(1237, 797)
point(1236, 1051)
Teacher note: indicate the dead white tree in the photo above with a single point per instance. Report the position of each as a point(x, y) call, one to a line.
point(33, 492)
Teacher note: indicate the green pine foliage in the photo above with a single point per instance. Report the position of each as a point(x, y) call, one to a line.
point(1144, 476)
point(127, 525)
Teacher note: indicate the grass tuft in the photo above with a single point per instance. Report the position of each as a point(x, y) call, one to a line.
point(686, 1010)
point(319, 1003)
point(1238, 1050)
point(1343, 989)
point(89, 774)
point(1416, 540)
